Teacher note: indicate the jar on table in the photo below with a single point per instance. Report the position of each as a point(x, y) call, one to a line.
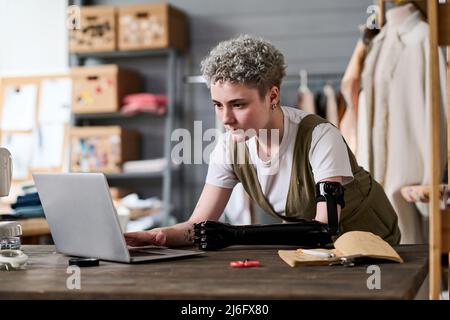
point(10, 233)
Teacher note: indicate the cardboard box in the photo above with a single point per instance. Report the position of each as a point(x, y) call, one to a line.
point(102, 148)
point(102, 88)
point(97, 30)
point(152, 26)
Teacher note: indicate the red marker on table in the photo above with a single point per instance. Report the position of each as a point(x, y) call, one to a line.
point(245, 264)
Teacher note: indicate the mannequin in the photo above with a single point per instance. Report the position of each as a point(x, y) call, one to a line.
point(395, 17)
point(398, 15)
point(396, 98)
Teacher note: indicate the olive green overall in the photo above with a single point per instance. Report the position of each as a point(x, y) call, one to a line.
point(366, 206)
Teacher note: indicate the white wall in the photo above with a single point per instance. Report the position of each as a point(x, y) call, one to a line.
point(33, 37)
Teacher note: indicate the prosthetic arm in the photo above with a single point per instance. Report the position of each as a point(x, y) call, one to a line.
point(213, 235)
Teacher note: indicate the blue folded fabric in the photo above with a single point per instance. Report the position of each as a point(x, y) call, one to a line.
point(28, 196)
point(31, 199)
point(29, 212)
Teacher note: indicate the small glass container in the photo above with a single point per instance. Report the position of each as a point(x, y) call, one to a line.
point(10, 233)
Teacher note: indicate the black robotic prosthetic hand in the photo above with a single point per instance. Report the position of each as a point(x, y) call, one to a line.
point(213, 235)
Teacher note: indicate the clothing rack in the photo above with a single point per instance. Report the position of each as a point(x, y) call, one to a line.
point(314, 81)
point(314, 78)
point(439, 227)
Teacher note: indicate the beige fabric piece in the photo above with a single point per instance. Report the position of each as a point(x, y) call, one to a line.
point(332, 109)
point(362, 137)
point(350, 86)
point(305, 100)
point(348, 126)
point(397, 106)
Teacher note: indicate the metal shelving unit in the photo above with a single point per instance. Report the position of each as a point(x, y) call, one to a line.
point(172, 54)
point(123, 54)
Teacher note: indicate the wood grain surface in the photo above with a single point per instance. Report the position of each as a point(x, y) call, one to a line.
point(210, 277)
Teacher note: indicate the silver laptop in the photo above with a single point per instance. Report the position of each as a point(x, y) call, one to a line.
point(83, 221)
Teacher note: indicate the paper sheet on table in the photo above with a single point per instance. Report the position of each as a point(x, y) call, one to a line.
point(19, 107)
point(20, 146)
point(55, 100)
point(48, 144)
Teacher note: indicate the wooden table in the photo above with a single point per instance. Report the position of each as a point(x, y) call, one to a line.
point(210, 277)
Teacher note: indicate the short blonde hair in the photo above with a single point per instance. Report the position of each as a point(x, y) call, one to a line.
point(247, 60)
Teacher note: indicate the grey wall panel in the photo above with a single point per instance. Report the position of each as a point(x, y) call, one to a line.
point(312, 54)
point(253, 7)
point(318, 36)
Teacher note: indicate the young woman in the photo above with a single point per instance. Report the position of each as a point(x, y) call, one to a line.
point(244, 76)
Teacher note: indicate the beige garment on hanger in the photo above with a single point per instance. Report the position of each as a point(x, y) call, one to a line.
point(332, 108)
point(383, 71)
point(348, 126)
point(305, 100)
point(350, 86)
point(363, 146)
point(397, 116)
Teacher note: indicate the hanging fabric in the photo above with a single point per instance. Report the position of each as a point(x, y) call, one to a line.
point(350, 86)
point(395, 90)
point(364, 118)
point(332, 108)
point(341, 106)
point(305, 98)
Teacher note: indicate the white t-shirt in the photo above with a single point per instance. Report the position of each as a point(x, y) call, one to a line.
point(328, 158)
